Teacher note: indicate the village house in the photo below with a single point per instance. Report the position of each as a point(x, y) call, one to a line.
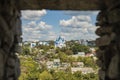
point(80, 54)
point(45, 43)
point(84, 70)
point(78, 64)
point(33, 44)
point(65, 65)
point(56, 63)
point(49, 64)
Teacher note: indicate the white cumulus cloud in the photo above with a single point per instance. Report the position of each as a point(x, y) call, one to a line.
point(76, 21)
point(78, 27)
point(33, 14)
point(36, 31)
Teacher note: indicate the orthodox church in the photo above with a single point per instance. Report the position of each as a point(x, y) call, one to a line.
point(60, 42)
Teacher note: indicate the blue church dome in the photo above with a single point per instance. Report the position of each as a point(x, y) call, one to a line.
point(60, 42)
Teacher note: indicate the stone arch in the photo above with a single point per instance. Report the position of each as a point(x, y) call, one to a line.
point(108, 43)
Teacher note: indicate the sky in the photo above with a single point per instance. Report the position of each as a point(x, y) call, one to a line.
point(39, 25)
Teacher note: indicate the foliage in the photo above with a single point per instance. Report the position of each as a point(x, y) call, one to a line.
point(71, 59)
point(45, 75)
point(61, 75)
point(80, 48)
point(88, 62)
point(90, 76)
point(31, 69)
point(51, 43)
point(44, 47)
point(78, 75)
point(63, 57)
point(26, 50)
point(69, 52)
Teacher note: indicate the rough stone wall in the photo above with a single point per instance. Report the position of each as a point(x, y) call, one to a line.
point(109, 42)
point(61, 4)
point(10, 32)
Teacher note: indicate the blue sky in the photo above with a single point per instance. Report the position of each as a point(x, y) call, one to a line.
point(48, 25)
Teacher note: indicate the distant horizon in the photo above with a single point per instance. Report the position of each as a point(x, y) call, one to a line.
point(44, 25)
point(55, 39)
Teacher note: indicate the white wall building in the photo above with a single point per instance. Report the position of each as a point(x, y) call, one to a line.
point(49, 64)
point(32, 44)
point(43, 43)
point(78, 64)
point(56, 63)
point(80, 54)
point(83, 70)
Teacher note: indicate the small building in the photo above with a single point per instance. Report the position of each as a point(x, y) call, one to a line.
point(93, 50)
point(62, 68)
point(83, 70)
point(56, 63)
point(78, 64)
point(80, 54)
point(32, 44)
point(83, 42)
point(45, 43)
point(26, 42)
point(49, 64)
point(91, 43)
point(89, 55)
point(65, 65)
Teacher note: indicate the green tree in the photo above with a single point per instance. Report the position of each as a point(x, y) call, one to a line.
point(26, 50)
point(29, 68)
point(71, 59)
point(69, 52)
point(63, 57)
point(89, 62)
point(57, 50)
point(62, 75)
point(80, 48)
point(51, 43)
point(90, 76)
point(45, 75)
point(78, 75)
point(81, 59)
